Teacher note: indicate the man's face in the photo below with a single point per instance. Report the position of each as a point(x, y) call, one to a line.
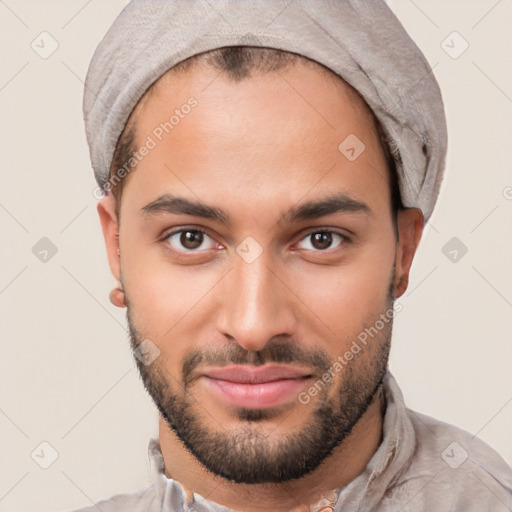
point(259, 288)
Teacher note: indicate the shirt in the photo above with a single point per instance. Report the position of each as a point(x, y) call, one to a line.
point(421, 465)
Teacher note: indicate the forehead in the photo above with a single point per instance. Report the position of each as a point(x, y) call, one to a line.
point(314, 84)
point(287, 128)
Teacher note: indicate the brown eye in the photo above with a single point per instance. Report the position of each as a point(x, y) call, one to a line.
point(322, 240)
point(189, 240)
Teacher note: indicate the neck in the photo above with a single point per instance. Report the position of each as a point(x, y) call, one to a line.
point(345, 463)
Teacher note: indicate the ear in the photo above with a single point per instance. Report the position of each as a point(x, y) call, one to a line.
point(410, 228)
point(109, 225)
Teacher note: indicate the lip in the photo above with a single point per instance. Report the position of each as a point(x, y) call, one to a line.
point(247, 374)
point(255, 387)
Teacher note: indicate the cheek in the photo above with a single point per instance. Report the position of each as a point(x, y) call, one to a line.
point(166, 299)
point(346, 297)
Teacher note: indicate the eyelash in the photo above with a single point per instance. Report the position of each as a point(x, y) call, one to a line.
point(345, 239)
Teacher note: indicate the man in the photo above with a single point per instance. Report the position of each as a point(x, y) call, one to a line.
point(268, 168)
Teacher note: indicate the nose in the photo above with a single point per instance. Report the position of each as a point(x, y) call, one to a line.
point(256, 304)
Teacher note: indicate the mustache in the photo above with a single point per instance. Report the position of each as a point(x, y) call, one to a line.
point(273, 352)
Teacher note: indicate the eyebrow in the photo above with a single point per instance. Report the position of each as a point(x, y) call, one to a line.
point(180, 205)
point(336, 203)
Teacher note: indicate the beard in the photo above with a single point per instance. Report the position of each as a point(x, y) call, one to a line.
point(247, 454)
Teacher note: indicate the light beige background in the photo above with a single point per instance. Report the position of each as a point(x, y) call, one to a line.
point(66, 372)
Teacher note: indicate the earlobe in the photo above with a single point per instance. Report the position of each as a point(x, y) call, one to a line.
point(410, 227)
point(117, 297)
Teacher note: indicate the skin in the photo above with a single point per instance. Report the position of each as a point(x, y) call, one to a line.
point(257, 148)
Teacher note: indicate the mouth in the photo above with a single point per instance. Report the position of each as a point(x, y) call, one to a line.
point(255, 387)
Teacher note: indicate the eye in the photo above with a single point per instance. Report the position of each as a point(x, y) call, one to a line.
point(322, 240)
point(189, 240)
